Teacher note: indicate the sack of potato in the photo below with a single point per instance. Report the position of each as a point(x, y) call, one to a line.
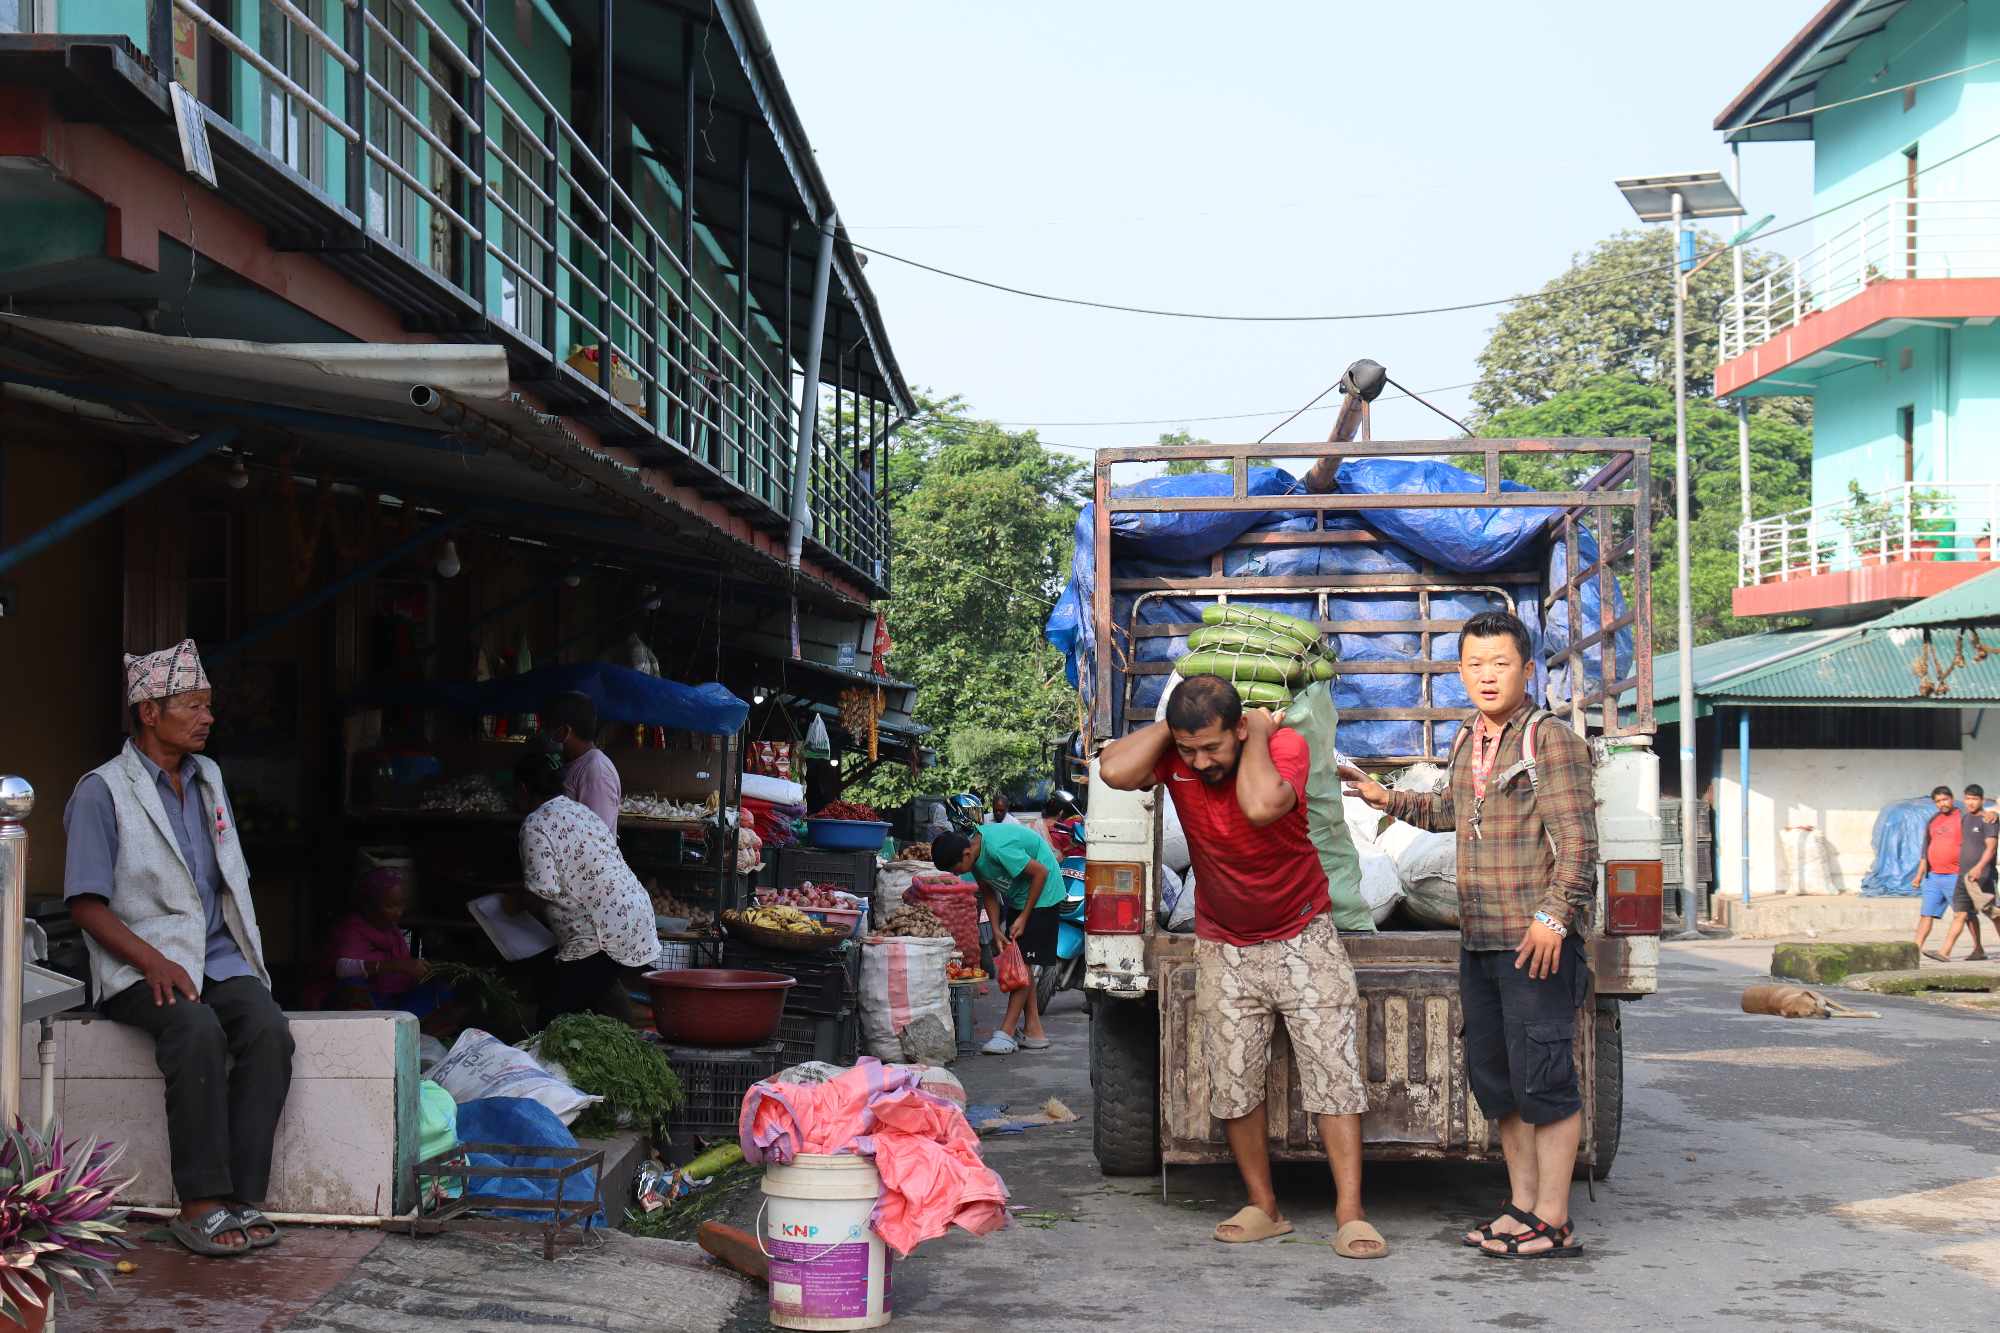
point(914, 921)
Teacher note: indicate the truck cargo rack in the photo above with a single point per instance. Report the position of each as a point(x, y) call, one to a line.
point(1615, 500)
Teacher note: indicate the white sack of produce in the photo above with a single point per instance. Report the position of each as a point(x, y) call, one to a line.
point(482, 1065)
point(902, 980)
point(1396, 840)
point(1176, 911)
point(1428, 856)
point(892, 881)
point(775, 790)
point(1364, 822)
point(1433, 903)
point(1380, 887)
point(1173, 839)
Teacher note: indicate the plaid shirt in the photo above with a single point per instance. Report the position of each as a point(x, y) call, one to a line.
point(1506, 872)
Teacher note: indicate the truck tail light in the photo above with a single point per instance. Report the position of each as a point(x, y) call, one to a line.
point(1114, 899)
point(1632, 894)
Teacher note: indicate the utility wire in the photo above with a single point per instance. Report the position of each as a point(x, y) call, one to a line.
point(1301, 412)
point(1544, 294)
point(1164, 421)
point(1434, 407)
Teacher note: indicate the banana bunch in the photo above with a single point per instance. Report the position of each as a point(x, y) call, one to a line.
point(780, 918)
point(1267, 656)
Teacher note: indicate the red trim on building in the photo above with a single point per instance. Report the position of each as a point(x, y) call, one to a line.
point(1896, 581)
point(1899, 298)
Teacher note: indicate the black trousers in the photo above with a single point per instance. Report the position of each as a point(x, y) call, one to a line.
point(1520, 1034)
point(227, 1059)
point(593, 985)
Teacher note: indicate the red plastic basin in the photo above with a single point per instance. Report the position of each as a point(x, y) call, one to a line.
point(717, 1006)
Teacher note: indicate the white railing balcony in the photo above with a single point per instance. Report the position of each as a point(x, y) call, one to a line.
point(1899, 238)
point(1908, 521)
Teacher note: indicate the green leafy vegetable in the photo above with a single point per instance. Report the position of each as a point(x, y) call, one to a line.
point(608, 1058)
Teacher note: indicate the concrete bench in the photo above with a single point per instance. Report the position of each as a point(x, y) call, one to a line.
point(345, 1142)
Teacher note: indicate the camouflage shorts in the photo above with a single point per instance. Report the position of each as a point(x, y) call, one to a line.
point(1240, 992)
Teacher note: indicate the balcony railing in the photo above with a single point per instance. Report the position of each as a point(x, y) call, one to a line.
point(1909, 521)
point(1899, 238)
point(414, 117)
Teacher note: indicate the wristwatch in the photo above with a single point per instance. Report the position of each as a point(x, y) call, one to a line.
point(1543, 918)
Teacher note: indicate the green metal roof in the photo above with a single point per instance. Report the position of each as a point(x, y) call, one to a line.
point(1975, 602)
point(1876, 667)
point(1718, 663)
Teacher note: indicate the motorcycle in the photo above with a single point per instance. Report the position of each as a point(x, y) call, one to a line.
point(1067, 971)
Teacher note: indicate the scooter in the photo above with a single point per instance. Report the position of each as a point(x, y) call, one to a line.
point(1067, 971)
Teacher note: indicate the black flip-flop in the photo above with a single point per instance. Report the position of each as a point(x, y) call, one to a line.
point(248, 1217)
point(199, 1236)
point(1537, 1230)
point(1486, 1233)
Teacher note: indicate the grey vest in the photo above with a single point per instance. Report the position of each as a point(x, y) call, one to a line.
point(153, 891)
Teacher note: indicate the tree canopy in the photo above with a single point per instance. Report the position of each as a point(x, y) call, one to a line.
point(982, 520)
point(1619, 405)
point(1612, 312)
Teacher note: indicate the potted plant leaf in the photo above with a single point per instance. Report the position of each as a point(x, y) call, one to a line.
point(1867, 523)
point(1932, 526)
point(59, 1222)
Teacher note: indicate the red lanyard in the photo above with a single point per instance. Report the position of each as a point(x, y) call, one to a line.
point(1482, 760)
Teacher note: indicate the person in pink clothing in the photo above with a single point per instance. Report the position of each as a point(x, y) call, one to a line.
point(589, 777)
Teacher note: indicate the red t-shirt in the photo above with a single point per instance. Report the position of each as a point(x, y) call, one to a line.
point(1941, 854)
point(1251, 884)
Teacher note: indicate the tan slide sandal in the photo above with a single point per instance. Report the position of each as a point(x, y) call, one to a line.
point(1359, 1232)
point(1252, 1223)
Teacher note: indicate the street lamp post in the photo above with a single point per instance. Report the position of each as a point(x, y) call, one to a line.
point(1675, 199)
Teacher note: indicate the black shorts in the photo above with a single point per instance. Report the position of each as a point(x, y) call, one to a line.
point(1520, 1034)
point(1961, 900)
point(1038, 941)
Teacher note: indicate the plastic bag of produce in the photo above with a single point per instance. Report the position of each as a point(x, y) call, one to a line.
point(902, 979)
point(954, 902)
point(481, 1065)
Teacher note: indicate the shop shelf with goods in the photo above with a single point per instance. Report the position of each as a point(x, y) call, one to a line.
point(430, 766)
point(788, 867)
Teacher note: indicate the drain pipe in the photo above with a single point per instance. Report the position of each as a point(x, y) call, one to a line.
point(795, 538)
point(17, 802)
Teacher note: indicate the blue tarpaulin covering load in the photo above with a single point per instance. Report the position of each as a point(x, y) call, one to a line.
point(620, 693)
point(1469, 541)
point(1899, 846)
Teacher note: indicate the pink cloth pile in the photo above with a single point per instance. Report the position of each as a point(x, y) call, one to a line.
point(927, 1153)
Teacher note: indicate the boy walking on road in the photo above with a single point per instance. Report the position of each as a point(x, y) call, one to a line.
point(1521, 800)
point(1265, 946)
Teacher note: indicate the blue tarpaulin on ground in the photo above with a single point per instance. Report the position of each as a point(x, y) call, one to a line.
point(1471, 541)
point(620, 693)
point(521, 1121)
point(1899, 845)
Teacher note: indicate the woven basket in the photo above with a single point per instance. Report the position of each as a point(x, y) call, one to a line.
point(787, 941)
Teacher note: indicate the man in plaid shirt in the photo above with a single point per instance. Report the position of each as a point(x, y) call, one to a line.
point(1524, 810)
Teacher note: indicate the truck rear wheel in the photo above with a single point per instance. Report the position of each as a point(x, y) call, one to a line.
point(1610, 1086)
point(1125, 1085)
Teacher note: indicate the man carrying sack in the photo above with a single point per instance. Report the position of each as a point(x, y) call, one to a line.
point(1266, 946)
point(1523, 804)
point(155, 877)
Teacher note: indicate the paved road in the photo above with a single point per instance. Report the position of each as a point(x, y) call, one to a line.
point(1774, 1174)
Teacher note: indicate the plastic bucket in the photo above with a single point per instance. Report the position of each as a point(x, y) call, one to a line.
point(828, 1267)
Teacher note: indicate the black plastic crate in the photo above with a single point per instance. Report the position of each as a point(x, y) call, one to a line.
point(713, 1083)
point(828, 982)
point(853, 871)
point(834, 1038)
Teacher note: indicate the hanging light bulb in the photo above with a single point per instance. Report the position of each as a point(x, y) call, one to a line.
point(573, 578)
point(447, 562)
point(758, 697)
point(239, 475)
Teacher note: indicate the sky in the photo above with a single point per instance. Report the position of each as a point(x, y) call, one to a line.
point(1267, 158)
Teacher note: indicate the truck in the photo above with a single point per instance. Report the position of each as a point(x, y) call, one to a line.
point(1147, 1074)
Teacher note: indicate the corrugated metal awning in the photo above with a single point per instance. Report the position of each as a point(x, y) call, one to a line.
point(1976, 602)
point(1790, 83)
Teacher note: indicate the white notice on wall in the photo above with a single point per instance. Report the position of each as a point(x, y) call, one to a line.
point(192, 122)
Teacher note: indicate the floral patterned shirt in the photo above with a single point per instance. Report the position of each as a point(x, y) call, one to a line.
point(596, 903)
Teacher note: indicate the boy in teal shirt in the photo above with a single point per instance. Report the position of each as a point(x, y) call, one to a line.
point(1013, 864)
